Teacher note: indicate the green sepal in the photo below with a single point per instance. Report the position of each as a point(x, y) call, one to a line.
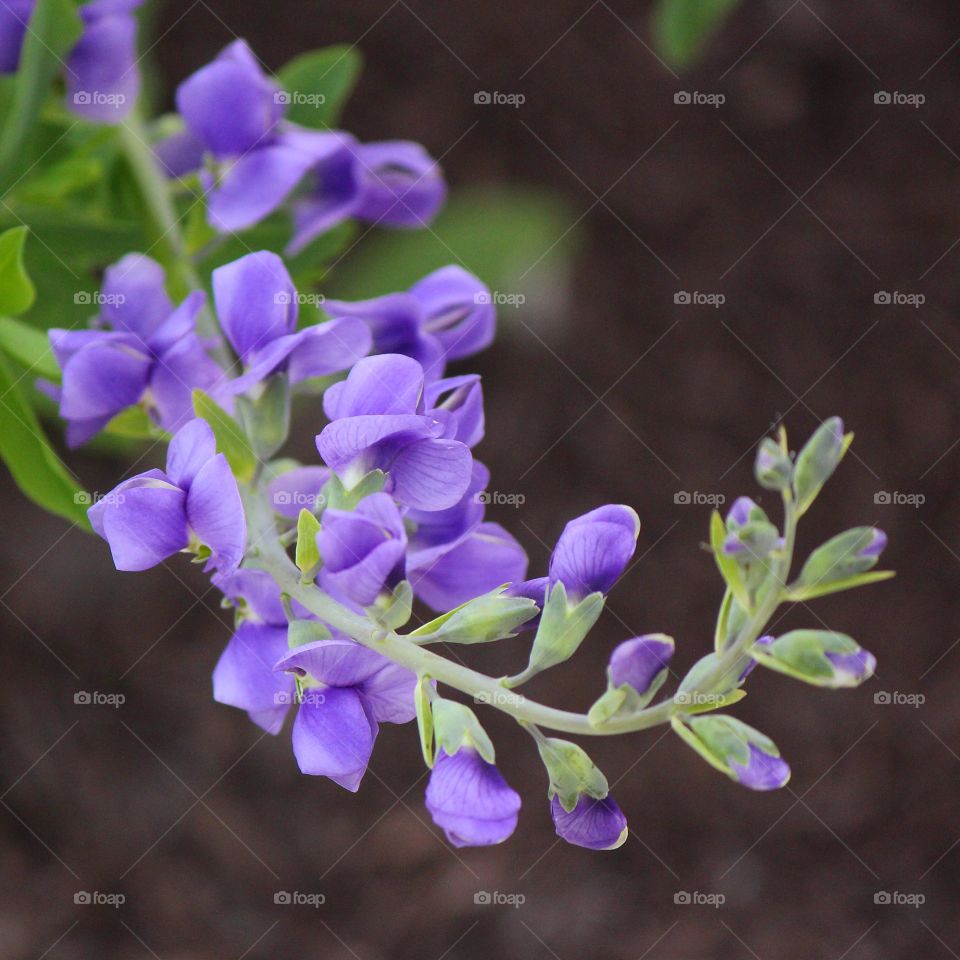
point(571, 772)
point(456, 725)
point(692, 697)
point(340, 497)
point(266, 418)
point(562, 629)
point(302, 632)
point(307, 555)
point(393, 611)
point(817, 460)
point(17, 291)
point(729, 569)
point(492, 616)
point(231, 440)
point(801, 654)
point(422, 696)
point(135, 424)
point(838, 561)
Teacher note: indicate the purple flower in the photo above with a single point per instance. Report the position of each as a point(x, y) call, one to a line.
point(147, 352)
point(195, 501)
point(739, 514)
point(638, 662)
point(762, 771)
point(297, 489)
point(379, 422)
point(851, 669)
point(391, 183)
point(594, 550)
point(597, 824)
point(469, 799)
point(244, 676)
point(101, 72)
point(876, 546)
point(449, 314)
point(354, 690)
point(257, 308)
point(363, 551)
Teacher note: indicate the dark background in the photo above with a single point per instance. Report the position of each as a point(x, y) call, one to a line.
point(798, 200)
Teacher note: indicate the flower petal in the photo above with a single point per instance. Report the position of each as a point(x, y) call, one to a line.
point(385, 384)
point(336, 663)
point(431, 474)
point(401, 184)
point(215, 513)
point(388, 694)
point(134, 295)
point(191, 448)
point(594, 824)
point(103, 378)
point(458, 310)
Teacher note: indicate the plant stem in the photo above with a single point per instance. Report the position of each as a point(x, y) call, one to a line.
point(485, 689)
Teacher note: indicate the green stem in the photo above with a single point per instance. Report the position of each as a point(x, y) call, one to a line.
point(271, 557)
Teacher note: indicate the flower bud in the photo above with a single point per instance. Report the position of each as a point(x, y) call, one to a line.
point(818, 657)
point(840, 563)
point(742, 753)
point(773, 467)
point(817, 461)
point(571, 772)
point(493, 616)
point(635, 673)
point(594, 823)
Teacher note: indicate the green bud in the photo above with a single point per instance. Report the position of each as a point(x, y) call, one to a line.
point(817, 461)
point(694, 695)
point(307, 554)
point(571, 772)
point(492, 616)
point(819, 657)
point(455, 725)
point(841, 563)
point(773, 467)
point(563, 627)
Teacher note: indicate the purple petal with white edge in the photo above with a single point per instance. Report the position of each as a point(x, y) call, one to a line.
point(638, 661)
point(594, 550)
point(401, 184)
point(229, 105)
point(174, 377)
point(739, 513)
point(256, 301)
point(103, 378)
point(244, 675)
point(296, 490)
point(333, 736)
point(342, 442)
point(463, 398)
point(179, 154)
point(877, 544)
point(193, 446)
point(215, 513)
point(144, 523)
point(336, 663)
point(134, 296)
point(431, 474)
point(386, 384)
point(487, 558)
point(102, 77)
point(14, 17)
point(851, 669)
point(388, 694)
point(469, 799)
point(328, 348)
point(597, 824)
point(260, 594)
point(762, 771)
point(458, 310)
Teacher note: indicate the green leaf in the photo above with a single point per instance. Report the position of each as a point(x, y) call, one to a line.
point(681, 28)
point(231, 440)
point(492, 616)
point(34, 465)
point(727, 565)
point(307, 554)
point(29, 347)
point(17, 292)
point(318, 84)
point(54, 28)
point(421, 699)
point(822, 589)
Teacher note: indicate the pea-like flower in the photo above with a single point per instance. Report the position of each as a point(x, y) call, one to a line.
point(100, 72)
point(351, 690)
point(363, 550)
point(597, 824)
point(470, 801)
point(447, 315)
point(257, 306)
point(380, 422)
point(147, 351)
point(194, 503)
